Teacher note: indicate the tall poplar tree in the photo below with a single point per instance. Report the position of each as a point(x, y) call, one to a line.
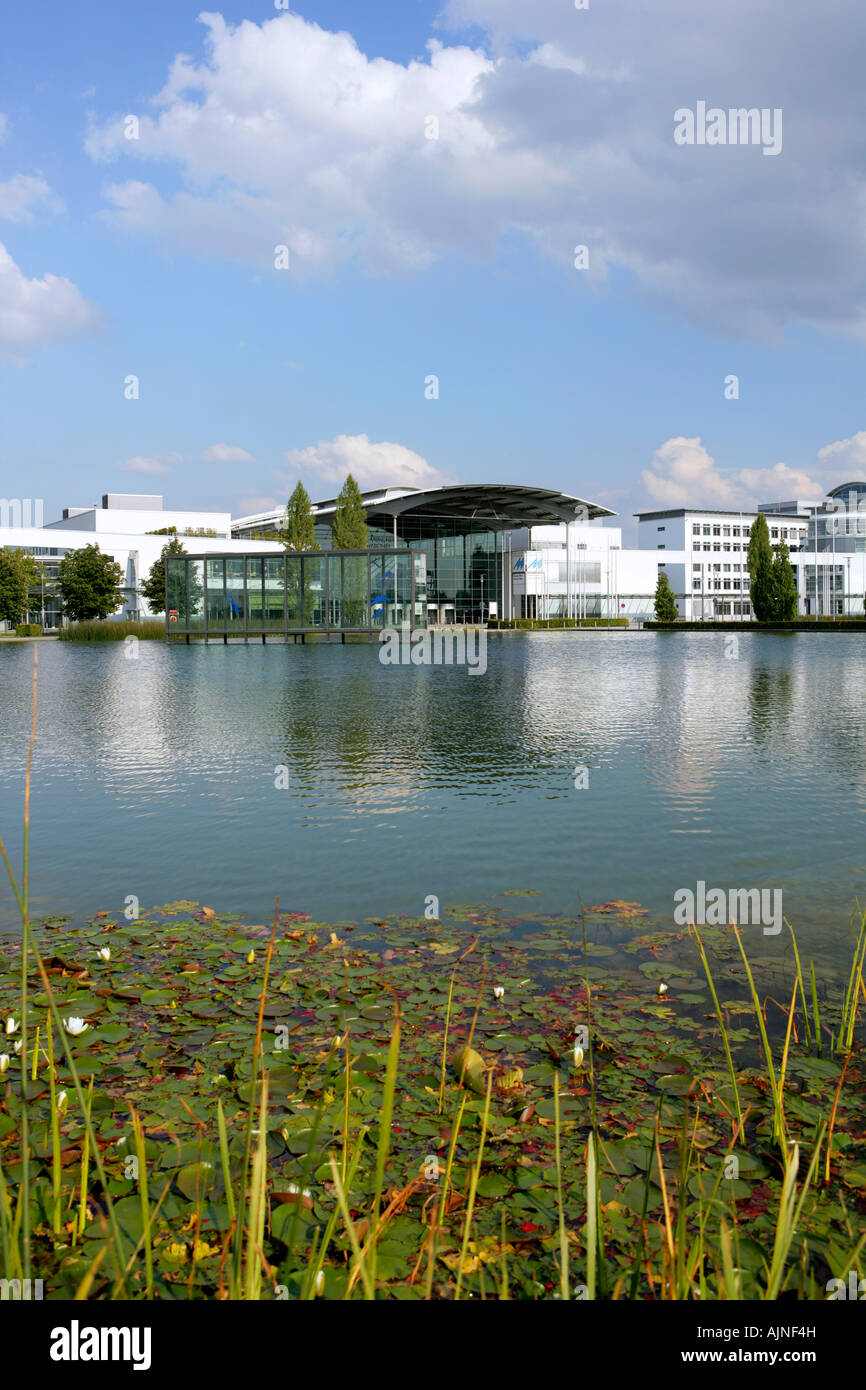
point(760, 566)
point(350, 521)
point(784, 586)
point(300, 530)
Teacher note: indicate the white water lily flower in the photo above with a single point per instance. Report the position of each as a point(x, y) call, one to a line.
point(75, 1026)
point(105, 953)
point(578, 1055)
point(662, 989)
point(498, 992)
point(4, 1061)
point(320, 1282)
point(62, 1102)
point(11, 1026)
point(18, 1044)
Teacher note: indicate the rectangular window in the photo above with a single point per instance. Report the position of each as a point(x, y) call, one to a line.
point(717, 530)
point(235, 600)
point(706, 530)
point(726, 530)
point(274, 593)
point(216, 595)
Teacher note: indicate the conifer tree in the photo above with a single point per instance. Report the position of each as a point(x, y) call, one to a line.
point(350, 522)
point(664, 602)
point(760, 566)
point(300, 528)
point(784, 587)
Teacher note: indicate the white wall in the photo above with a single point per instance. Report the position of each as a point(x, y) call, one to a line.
point(119, 522)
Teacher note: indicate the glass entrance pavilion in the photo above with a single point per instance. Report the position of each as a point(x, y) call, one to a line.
point(294, 595)
point(462, 529)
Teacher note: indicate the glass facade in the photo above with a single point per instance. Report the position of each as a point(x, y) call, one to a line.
point(463, 569)
point(316, 592)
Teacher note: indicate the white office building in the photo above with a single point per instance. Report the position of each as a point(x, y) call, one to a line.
point(132, 528)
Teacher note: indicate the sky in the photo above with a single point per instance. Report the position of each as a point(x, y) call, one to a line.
point(245, 246)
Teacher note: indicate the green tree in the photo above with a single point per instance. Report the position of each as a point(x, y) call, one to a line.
point(760, 566)
point(350, 522)
point(664, 603)
point(18, 571)
point(300, 528)
point(89, 583)
point(784, 586)
point(153, 587)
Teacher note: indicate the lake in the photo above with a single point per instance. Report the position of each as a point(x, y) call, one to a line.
point(597, 765)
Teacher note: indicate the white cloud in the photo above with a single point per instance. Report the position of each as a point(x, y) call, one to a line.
point(846, 456)
point(682, 471)
point(371, 465)
point(560, 130)
point(226, 453)
point(39, 311)
point(153, 464)
point(20, 194)
point(781, 484)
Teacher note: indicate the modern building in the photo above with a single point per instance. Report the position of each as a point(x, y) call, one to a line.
point(488, 550)
point(471, 535)
point(131, 528)
point(705, 553)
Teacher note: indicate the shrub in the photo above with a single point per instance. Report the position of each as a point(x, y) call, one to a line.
point(28, 630)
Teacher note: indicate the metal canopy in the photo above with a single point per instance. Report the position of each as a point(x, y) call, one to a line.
point(496, 506)
point(500, 506)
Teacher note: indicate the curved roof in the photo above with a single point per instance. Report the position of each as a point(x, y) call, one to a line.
point(858, 486)
point(501, 506)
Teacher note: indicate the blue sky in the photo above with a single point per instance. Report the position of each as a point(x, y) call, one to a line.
point(412, 257)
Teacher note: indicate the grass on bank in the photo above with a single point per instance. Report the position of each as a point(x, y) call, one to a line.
point(113, 631)
point(412, 1174)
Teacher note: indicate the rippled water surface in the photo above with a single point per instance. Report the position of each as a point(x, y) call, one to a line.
point(156, 776)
